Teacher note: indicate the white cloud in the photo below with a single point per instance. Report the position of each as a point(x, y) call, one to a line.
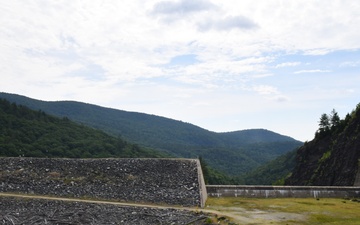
point(350, 64)
point(317, 51)
point(281, 98)
point(287, 64)
point(262, 75)
point(102, 51)
point(170, 12)
point(312, 71)
point(265, 89)
point(181, 7)
point(227, 23)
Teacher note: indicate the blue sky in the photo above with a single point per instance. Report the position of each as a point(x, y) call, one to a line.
point(222, 65)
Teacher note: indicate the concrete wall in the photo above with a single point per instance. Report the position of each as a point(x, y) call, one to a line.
point(282, 191)
point(202, 186)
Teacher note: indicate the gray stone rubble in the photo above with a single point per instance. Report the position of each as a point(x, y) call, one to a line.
point(40, 212)
point(160, 181)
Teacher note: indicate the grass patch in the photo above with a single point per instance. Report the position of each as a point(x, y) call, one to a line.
point(290, 210)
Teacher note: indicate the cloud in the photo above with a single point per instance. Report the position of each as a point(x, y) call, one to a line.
point(256, 76)
point(317, 51)
point(265, 89)
point(227, 23)
point(350, 91)
point(120, 52)
point(183, 60)
point(287, 64)
point(350, 64)
point(312, 71)
point(181, 8)
point(281, 98)
point(218, 20)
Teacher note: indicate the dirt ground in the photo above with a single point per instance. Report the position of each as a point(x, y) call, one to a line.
point(240, 215)
point(288, 211)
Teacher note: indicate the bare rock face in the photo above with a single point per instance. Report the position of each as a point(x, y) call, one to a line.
point(160, 181)
point(332, 158)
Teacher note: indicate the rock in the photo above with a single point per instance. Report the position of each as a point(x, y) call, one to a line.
point(159, 181)
point(50, 212)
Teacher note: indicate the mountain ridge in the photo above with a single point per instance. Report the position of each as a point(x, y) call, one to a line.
point(28, 133)
point(234, 152)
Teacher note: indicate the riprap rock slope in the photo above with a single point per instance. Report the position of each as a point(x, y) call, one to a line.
point(160, 181)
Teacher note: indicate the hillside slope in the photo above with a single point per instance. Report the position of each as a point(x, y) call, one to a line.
point(233, 152)
point(24, 132)
point(332, 158)
point(273, 172)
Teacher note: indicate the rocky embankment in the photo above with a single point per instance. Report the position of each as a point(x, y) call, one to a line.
point(39, 211)
point(159, 181)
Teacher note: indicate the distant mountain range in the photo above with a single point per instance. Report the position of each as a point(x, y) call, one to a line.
point(235, 153)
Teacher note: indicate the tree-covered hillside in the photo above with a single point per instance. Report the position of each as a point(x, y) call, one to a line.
point(333, 157)
point(24, 132)
point(234, 153)
point(273, 172)
point(28, 133)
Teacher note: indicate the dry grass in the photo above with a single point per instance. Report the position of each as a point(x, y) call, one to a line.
point(287, 210)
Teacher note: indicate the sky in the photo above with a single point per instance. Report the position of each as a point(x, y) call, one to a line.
point(223, 65)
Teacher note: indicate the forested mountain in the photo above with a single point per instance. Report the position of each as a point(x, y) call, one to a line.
point(233, 152)
point(332, 158)
point(25, 132)
point(28, 133)
point(273, 172)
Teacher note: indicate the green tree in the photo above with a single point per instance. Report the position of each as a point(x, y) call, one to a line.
point(334, 118)
point(324, 123)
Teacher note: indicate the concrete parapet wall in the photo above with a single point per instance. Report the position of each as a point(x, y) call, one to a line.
point(282, 191)
point(202, 189)
point(160, 181)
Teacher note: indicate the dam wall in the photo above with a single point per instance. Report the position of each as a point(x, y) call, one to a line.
point(202, 186)
point(158, 181)
point(258, 191)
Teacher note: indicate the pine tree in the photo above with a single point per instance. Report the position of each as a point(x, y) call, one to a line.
point(334, 118)
point(324, 123)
